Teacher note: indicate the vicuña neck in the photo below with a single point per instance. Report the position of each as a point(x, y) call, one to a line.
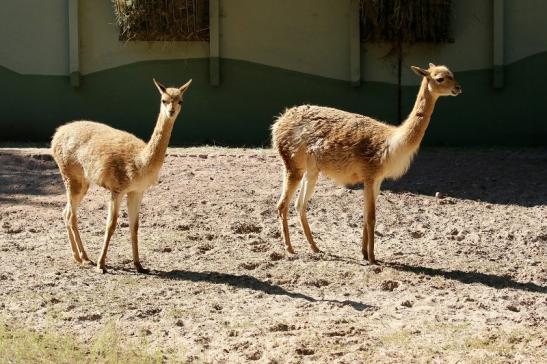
point(414, 127)
point(154, 152)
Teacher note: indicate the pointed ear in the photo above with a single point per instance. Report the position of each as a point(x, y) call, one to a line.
point(184, 87)
point(419, 71)
point(431, 65)
point(161, 88)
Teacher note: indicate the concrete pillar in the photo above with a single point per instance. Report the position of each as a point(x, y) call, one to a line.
point(73, 43)
point(214, 42)
point(498, 61)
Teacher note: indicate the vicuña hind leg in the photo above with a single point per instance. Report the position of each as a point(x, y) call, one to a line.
point(133, 206)
point(75, 190)
point(111, 221)
point(290, 183)
point(67, 218)
point(308, 186)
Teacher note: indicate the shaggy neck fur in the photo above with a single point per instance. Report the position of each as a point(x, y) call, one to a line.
point(414, 127)
point(154, 152)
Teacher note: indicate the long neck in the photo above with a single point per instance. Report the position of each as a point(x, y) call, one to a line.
point(414, 127)
point(154, 152)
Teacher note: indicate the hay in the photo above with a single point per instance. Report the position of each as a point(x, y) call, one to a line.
point(162, 20)
point(406, 21)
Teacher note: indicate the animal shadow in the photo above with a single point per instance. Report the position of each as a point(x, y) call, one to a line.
point(249, 282)
point(490, 280)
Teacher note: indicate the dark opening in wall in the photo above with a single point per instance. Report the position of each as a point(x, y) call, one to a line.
point(162, 20)
point(406, 21)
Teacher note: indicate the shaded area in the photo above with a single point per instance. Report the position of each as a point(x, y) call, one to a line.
point(490, 280)
point(250, 282)
point(27, 173)
point(497, 176)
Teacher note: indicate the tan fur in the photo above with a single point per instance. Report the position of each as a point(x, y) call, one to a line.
point(351, 148)
point(89, 152)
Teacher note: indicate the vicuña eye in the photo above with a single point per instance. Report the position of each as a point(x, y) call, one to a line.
point(180, 102)
point(440, 80)
point(165, 102)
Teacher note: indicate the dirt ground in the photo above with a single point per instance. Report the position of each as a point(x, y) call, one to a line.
point(461, 279)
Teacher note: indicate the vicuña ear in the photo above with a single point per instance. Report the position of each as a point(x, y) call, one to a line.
point(420, 71)
point(184, 87)
point(161, 88)
point(431, 65)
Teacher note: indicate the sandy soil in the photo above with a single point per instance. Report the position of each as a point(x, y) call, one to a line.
point(462, 278)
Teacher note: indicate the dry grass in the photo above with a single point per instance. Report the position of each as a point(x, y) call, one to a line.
point(406, 21)
point(443, 340)
point(158, 20)
point(20, 345)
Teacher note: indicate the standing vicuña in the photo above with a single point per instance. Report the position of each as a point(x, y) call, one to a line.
point(350, 149)
point(87, 151)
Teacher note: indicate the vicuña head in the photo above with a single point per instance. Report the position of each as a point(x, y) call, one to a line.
point(441, 81)
point(171, 98)
point(90, 152)
point(351, 149)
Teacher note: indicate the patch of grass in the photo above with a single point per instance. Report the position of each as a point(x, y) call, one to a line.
point(504, 343)
point(19, 345)
point(401, 338)
point(459, 340)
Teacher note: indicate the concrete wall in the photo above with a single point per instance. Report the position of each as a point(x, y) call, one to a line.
point(34, 36)
point(274, 54)
point(100, 48)
point(309, 36)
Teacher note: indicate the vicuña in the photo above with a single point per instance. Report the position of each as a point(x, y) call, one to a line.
point(89, 152)
point(351, 149)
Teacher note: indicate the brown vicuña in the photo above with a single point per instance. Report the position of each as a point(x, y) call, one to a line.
point(89, 152)
point(351, 149)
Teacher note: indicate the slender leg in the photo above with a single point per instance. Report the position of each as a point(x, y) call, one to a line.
point(371, 192)
point(76, 199)
point(133, 207)
point(76, 190)
point(67, 217)
point(308, 186)
point(111, 221)
point(290, 182)
point(365, 234)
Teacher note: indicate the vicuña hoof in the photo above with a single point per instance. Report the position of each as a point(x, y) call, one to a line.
point(142, 270)
point(290, 250)
point(87, 262)
point(77, 259)
point(315, 249)
point(100, 269)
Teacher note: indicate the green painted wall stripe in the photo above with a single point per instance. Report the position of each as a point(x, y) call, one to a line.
point(241, 110)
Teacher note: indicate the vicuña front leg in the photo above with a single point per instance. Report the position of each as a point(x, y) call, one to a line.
point(133, 207)
point(364, 246)
point(308, 185)
point(371, 191)
point(111, 221)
